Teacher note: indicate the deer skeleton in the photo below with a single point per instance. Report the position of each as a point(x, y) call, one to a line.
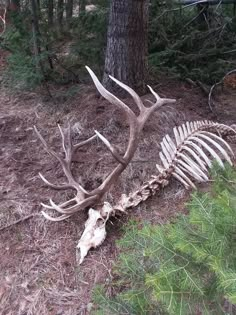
point(184, 160)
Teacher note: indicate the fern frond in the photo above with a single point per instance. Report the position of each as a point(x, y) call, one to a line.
point(196, 145)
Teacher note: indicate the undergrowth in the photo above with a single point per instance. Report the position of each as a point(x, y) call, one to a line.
point(17, 40)
point(182, 42)
point(89, 38)
point(186, 267)
point(188, 45)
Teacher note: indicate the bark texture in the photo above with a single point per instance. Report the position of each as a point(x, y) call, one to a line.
point(50, 12)
point(69, 10)
point(60, 10)
point(82, 6)
point(126, 52)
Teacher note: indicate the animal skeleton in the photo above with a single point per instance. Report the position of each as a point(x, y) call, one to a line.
point(186, 158)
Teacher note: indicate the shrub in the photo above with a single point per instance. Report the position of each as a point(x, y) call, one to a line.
point(89, 38)
point(187, 267)
point(23, 70)
point(182, 44)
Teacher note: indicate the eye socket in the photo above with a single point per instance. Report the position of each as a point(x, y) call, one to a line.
point(100, 222)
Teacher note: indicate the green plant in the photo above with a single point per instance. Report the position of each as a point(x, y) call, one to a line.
point(23, 69)
point(22, 72)
point(89, 38)
point(183, 44)
point(187, 267)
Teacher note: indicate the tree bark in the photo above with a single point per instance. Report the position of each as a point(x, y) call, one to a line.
point(36, 34)
point(50, 13)
point(38, 8)
point(60, 10)
point(69, 10)
point(82, 6)
point(12, 9)
point(126, 52)
point(14, 5)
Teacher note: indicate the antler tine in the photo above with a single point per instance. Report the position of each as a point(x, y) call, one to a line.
point(159, 101)
point(67, 212)
point(110, 97)
point(80, 144)
point(57, 219)
point(50, 151)
point(57, 187)
point(113, 151)
point(62, 205)
point(66, 143)
point(79, 205)
point(64, 163)
point(134, 95)
point(79, 202)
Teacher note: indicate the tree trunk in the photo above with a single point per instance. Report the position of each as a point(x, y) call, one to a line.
point(126, 52)
point(60, 9)
point(82, 6)
point(14, 5)
point(36, 33)
point(12, 9)
point(38, 7)
point(50, 12)
point(69, 10)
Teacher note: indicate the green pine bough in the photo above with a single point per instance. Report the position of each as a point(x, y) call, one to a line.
point(186, 267)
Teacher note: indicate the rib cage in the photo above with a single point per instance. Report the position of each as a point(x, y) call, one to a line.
point(196, 144)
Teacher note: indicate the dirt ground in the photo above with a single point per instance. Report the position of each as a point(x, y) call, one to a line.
point(39, 272)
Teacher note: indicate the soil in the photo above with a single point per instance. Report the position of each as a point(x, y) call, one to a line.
point(39, 271)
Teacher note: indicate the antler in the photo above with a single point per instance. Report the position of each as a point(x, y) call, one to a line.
point(136, 124)
point(84, 198)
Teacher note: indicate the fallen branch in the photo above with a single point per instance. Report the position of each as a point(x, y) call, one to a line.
point(18, 221)
point(203, 87)
point(3, 20)
point(214, 85)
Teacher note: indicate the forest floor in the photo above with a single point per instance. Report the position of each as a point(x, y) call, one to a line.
point(39, 272)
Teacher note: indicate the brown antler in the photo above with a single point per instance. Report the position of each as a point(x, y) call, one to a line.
point(84, 198)
point(136, 124)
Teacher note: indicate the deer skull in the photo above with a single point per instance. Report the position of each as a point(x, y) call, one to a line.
point(95, 229)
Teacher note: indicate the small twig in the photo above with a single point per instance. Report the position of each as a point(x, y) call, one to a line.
point(193, 19)
point(65, 68)
point(218, 5)
point(191, 82)
point(210, 94)
point(229, 52)
point(181, 8)
point(3, 19)
point(227, 180)
point(18, 221)
point(203, 87)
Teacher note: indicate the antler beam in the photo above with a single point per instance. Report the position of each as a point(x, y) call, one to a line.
point(84, 198)
point(136, 124)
